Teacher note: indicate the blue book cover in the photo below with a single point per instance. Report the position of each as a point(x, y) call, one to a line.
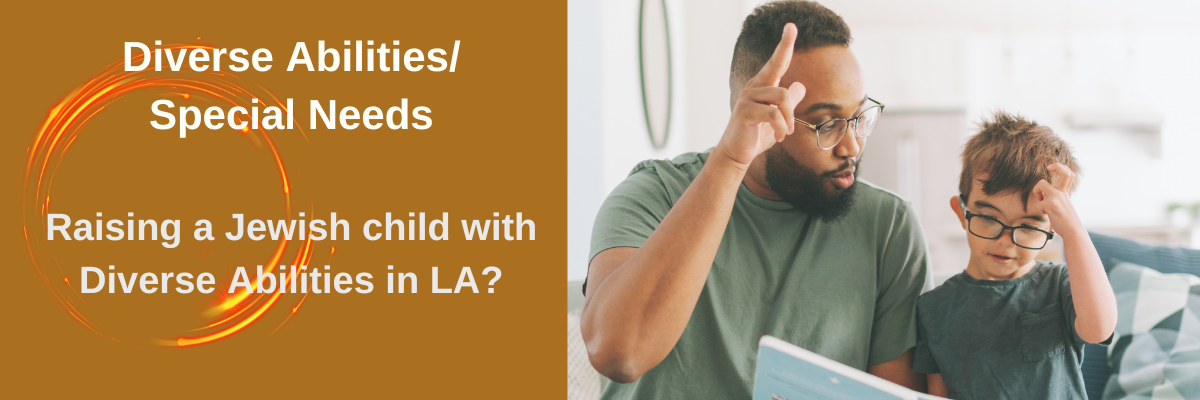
point(787, 372)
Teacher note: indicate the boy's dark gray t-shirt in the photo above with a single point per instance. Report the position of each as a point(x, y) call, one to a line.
point(1008, 339)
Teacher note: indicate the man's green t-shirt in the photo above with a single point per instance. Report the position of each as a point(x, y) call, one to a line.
point(846, 290)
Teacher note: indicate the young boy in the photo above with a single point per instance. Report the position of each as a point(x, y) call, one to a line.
point(1012, 327)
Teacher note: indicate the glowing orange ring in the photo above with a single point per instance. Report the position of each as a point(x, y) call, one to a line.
point(63, 125)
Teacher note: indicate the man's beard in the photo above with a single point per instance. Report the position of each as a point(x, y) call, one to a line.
point(804, 188)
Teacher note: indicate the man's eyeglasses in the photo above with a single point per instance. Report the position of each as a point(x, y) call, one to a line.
point(830, 132)
point(990, 228)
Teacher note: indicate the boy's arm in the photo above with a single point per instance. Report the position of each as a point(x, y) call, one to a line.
point(1095, 304)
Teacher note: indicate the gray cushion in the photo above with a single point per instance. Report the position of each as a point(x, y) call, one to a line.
point(1156, 354)
point(1096, 371)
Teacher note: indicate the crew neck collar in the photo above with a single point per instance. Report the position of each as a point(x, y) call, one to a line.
point(778, 205)
point(970, 280)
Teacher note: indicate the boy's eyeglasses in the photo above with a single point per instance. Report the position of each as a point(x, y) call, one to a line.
point(830, 132)
point(990, 228)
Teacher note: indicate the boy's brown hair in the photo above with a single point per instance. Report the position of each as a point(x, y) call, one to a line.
point(1014, 153)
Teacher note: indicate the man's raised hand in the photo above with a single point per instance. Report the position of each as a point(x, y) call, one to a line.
point(763, 114)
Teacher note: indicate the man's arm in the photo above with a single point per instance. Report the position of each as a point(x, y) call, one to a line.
point(900, 372)
point(937, 387)
point(639, 300)
point(902, 277)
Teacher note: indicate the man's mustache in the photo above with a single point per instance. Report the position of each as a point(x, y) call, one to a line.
point(845, 166)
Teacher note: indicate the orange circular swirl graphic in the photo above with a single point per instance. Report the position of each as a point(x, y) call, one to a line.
point(64, 124)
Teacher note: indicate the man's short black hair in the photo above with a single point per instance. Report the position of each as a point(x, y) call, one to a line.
point(818, 27)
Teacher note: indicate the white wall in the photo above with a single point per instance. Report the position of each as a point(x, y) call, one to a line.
point(711, 28)
point(1044, 59)
point(584, 137)
point(607, 133)
point(625, 139)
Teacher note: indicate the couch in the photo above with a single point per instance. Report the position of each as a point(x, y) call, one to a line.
point(1168, 260)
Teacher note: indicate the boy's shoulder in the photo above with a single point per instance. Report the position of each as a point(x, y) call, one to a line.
point(1054, 276)
point(940, 294)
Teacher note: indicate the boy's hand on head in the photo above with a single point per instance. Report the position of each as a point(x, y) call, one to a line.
point(1054, 200)
point(1095, 304)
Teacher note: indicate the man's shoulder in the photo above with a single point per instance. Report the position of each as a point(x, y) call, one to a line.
point(873, 197)
point(881, 210)
point(683, 168)
point(662, 179)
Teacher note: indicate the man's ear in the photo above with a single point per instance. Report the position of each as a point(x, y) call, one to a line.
point(956, 205)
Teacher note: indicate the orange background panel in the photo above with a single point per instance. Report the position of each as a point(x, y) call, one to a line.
point(497, 145)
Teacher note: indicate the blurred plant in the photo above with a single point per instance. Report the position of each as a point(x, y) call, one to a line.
point(1183, 215)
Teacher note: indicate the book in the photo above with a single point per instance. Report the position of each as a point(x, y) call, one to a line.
point(785, 371)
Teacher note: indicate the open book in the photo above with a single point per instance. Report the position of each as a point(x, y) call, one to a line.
point(788, 372)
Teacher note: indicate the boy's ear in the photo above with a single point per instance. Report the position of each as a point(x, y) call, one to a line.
point(956, 205)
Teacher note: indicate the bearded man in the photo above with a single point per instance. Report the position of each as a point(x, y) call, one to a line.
point(768, 233)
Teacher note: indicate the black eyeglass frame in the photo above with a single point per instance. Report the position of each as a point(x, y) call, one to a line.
point(852, 121)
point(1012, 229)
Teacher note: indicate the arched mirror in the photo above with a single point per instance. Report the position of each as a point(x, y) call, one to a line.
point(654, 55)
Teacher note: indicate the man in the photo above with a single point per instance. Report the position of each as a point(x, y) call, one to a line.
point(768, 233)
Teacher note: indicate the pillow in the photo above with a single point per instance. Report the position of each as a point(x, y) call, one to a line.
point(1113, 249)
point(1156, 353)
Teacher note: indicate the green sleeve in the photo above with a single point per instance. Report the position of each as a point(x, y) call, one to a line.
point(903, 273)
point(630, 213)
point(639, 203)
